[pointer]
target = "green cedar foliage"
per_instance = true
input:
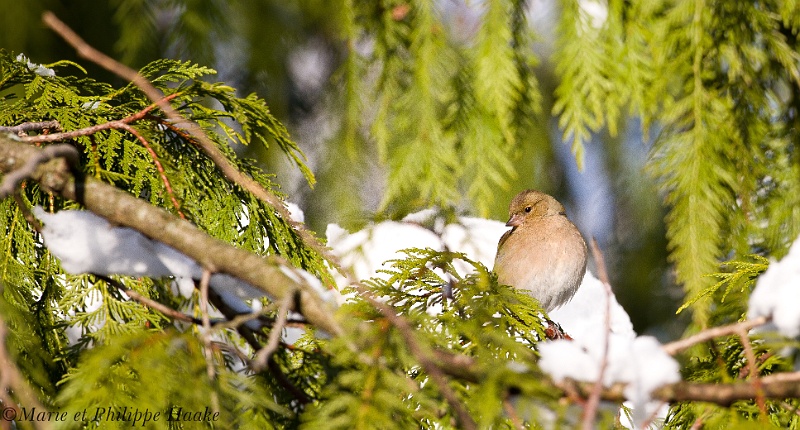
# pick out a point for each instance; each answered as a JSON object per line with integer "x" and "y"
{"x": 728, "y": 127}
{"x": 122, "y": 352}
{"x": 723, "y": 360}
{"x": 381, "y": 383}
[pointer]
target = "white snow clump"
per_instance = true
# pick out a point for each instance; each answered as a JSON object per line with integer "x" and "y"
{"x": 777, "y": 294}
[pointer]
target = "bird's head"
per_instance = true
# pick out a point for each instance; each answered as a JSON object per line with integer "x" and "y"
{"x": 532, "y": 204}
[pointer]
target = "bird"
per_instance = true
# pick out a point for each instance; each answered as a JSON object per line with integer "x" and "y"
{"x": 543, "y": 254}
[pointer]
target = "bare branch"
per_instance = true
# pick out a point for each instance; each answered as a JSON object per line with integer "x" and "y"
{"x": 673, "y": 348}
{"x": 593, "y": 402}
{"x": 14, "y": 178}
{"x": 32, "y": 126}
{"x": 172, "y": 313}
{"x": 752, "y": 365}
{"x": 264, "y": 354}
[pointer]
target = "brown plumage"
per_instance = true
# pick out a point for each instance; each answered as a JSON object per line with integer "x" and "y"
{"x": 543, "y": 253}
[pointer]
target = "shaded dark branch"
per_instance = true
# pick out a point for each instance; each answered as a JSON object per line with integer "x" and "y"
{"x": 265, "y": 353}
{"x": 166, "y": 310}
{"x": 29, "y": 168}
{"x": 32, "y": 126}
{"x": 250, "y": 337}
{"x": 26, "y": 212}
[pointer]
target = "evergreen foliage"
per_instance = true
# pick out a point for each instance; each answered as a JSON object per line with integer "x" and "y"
{"x": 123, "y": 350}
{"x": 381, "y": 383}
{"x": 448, "y": 99}
{"x": 732, "y": 99}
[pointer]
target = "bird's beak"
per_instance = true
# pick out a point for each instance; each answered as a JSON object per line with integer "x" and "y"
{"x": 514, "y": 221}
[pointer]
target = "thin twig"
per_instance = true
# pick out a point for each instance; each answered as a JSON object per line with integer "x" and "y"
{"x": 673, "y": 348}
{"x": 209, "y": 351}
{"x": 511, "y": 411}
{"x": 161, "y": 308}
{"x": 26, "y": 212}
{"x": 240, "y": 319}
{"x": 166, "y": 310}
{"x": 158, "y": 165}
{"x": 32, "y": 126}
{"x": 753, "y": 367}
{"x": 110, "y": 125}
{"x": 206, "y": 322}
{"x": 264, "y": 354}
{"x": 593, "y": 402}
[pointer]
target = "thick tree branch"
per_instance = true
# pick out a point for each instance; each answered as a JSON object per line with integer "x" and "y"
{"x": 271, "y": 274}
{"x": 777, "y": 386}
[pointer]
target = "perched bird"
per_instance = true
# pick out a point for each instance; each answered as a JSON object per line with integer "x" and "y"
{"x": 543, "y": 254}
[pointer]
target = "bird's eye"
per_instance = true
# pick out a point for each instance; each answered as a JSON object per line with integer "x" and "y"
{"x": 527, "y": 209}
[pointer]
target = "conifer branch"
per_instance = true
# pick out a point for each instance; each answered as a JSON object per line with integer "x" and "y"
{"x": 426, "y": 359}
{"x": 117, "y": 206}
{"x": 199, "y": 137}
{"x": 120, "y": 124}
